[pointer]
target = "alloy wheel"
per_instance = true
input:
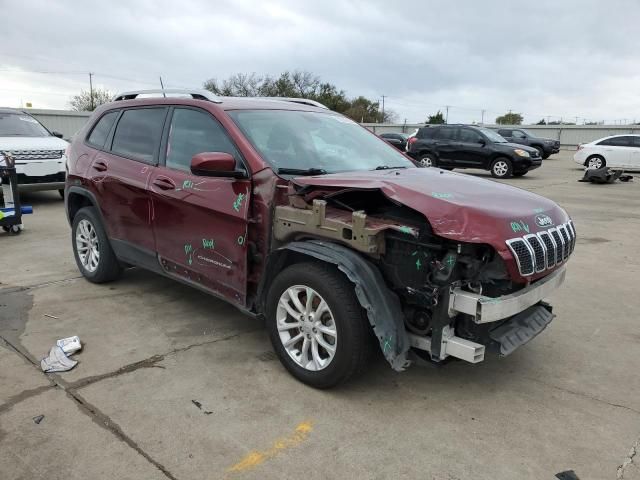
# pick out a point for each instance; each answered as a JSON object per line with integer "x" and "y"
{"x": 306, "y": 327}
{"x": 595, "y": 162}
{"x": 500, "y": 168}
{"x": 87, "y": 245}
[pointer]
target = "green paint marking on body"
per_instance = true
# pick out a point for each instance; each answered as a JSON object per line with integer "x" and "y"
{"x": 188, "y": 251}
{"x": 238, "y": 202}
{"x": 450, "y": 260}
{"x": 187, "y": 184}
{"x": 519, "y": 226}
{"x": 414, "y": 253}
{"x": 538, "y": 210}
{"x": 441, "y": 195}
{"x": 387, "y": 344}
{"x": 418, "y": 264}
{"x": 241, "y": 240}
{"x": 405, "y": 229}
{"x": 208, "y": 243}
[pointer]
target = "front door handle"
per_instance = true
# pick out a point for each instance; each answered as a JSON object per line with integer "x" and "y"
{"x": 100, "y": 166}
{"x": 164, "y": 183}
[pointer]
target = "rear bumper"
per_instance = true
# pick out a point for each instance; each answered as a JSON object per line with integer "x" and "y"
{"x": 39, "y": 187}
{"x": 489, "y": 309}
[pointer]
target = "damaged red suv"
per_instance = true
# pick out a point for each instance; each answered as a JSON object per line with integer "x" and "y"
{"x": 298, "y": 215}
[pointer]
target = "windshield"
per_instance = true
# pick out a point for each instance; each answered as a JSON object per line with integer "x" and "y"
{"x": 21, "y": 125}
{"x": 493, "y": 136}
{"x": 290, "y": 139}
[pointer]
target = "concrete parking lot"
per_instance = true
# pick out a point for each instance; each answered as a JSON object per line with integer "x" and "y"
{"x": 172, "y": 383}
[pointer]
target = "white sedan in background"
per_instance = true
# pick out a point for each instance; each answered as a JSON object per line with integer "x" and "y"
{"x": 618, "y": 151}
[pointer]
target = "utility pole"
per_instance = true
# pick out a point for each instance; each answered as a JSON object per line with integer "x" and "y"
{"x": 91, "y": 90}
{"x": 577, "y": 120}
{"x": 383, "y": 97}
{"x": 162, "y": 87}
{"x": 482, "y": 121}
{"x": 446, "y": 118}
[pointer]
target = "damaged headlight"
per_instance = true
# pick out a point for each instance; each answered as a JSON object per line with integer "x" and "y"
{"x": 521, "y": 153}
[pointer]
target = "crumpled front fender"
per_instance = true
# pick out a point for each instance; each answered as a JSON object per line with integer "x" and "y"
{"x": 381, "y": 304}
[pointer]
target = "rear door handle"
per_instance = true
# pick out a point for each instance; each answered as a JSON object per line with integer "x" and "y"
{"x": 164, "y": 183}
{"x": 100, "y": 166}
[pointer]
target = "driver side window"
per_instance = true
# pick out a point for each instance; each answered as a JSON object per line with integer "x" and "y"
{"x": 195, "y": 131}
{"x": 519, "y": 134}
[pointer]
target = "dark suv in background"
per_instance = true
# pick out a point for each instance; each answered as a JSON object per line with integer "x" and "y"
{"x": 545, "y": 146}
{"x": 466, "y": 146}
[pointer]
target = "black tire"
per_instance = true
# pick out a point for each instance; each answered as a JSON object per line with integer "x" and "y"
{"x": 545, "y": 156}
{"x": 61, "y": 192}
{"x": 108, "y": 268}
{"x": 540, "y": 151}
{"x": 354, "y": 343}
{"x": 520, "y": 174}
{"x": 598, "y": 161}
{"x": 501, "y": 167}
{"x": 427, "y": 160}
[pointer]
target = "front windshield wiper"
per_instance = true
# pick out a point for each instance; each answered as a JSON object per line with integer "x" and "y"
{"x": 387, "y": 167}
{"x": 302, "y": 171}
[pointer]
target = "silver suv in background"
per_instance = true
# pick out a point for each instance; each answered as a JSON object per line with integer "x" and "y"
{"x": 39, "y": 154}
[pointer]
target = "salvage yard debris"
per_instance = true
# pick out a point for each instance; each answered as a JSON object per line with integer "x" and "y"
{"x": 58, "y": 361}
{"x": 604, "y": 175}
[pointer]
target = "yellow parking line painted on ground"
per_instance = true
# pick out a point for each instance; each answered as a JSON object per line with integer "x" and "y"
{"x": 255, "y": 458}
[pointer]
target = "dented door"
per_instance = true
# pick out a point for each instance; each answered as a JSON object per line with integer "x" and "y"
{"x": 200, "y": 222}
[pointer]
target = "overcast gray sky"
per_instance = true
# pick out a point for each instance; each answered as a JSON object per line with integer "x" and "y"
{"x": 541, "y": 58}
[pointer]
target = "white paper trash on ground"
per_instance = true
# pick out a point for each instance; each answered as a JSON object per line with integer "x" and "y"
{"x": 57, "y": 361}
{"x": 69, "y": 345}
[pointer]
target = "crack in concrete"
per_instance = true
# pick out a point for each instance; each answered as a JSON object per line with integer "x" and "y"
{"x": 97, "y": 416}
{"x": 628, "y": 461}
{"x": 584, "y": 395}
{"x": 150, "y": 362}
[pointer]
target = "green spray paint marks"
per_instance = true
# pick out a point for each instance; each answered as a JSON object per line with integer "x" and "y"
{"x": 387, "y": 344}
{"x": 208, "y": 243}
{"x": 441, "y": 195}
{"x": 405, "y": 229}
{"x": 187, "y": 184}
{"x": 520, "y": 226}
{"x": 241, "y": 240}
{"x": 538, "y": 210}
{"x": 238, "y": 202}
{"x": 450, "y": 261}
{"x": 418, "y": 264}
{"x": 188, "y": 251}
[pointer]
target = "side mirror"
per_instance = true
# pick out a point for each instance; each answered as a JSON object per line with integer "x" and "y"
{"x": 56, "y": 134}
{"x": 482, "y": 142}
{"x": 215, "y": 164}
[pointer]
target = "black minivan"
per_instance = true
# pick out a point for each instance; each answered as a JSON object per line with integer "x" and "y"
{"x": 468, "y": 146}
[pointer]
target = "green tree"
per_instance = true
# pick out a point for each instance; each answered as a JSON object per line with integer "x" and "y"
{"x": 437, "y": 118}
{"x": 541, "y": 122}
{"x": 509, "y": 119}
{"x": 82, "y": 102}
{"x": 299, "y": 84}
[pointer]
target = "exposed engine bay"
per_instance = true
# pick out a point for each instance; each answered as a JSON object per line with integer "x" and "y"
{"x": 421, "y": 268}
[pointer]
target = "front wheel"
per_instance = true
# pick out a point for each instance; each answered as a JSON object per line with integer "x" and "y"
{"x": 501, "y": 168}
{"x": 317, "y": 327}
{"x": 595, "y": 161}
{"x": 93, "y": 253}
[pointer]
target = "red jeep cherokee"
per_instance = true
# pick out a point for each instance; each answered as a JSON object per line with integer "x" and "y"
{"x": 298, "y": 215}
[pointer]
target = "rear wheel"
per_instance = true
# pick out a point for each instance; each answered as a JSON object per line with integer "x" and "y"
{"x": 519, "y": 174}
{"x": 501, "y": 168}
{"x": 91, "y": 248}
{"x": 595, "y": 161}
{"x": 316, "y": 325}
{"x": 427, "y": 160}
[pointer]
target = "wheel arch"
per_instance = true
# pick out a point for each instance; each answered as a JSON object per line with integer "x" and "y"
{"x": 77, "y": 198}
{"x": 381, "y": 304}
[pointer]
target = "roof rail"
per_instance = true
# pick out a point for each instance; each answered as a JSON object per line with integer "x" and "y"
{"x": 302, "y": 101}
{"x": 195, "y": 94}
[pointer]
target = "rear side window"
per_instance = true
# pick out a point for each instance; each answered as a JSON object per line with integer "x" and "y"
{"x": 138, "y": 134}
{"x": 425, "y": 132}
{"x": 100, "y": 132}
{"x": 192, "y": 132}
{"x": 445, "y": 133}
{"x": 623, "y": 141}
{"x": 469, "y": 136}
{"x": 505, "y": 133}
